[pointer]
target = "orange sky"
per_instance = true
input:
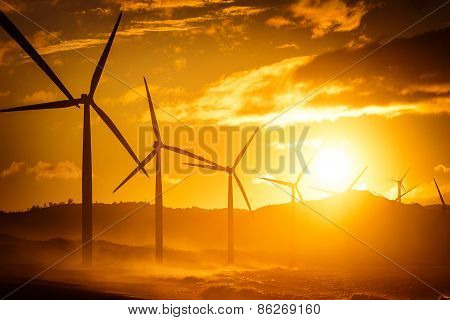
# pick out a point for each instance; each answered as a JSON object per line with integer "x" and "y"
{"x": 230, "y": 63}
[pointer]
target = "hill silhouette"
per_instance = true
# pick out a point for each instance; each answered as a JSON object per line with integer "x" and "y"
{"x": 340, "y": 233}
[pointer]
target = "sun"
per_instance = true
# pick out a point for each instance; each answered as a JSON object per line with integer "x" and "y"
{"x": 332, "y": 167}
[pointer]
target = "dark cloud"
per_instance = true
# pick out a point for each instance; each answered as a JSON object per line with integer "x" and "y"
{"x": 407, "y": 70}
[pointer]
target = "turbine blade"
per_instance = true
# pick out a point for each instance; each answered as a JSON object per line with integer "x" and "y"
{"x": 15, "y": 33}
{"x": 206, "y": 166}
{"x": 378, "y": 194}
{"x": 110, "y": 124}
{"x": 239, "y": 157}
{"x": 299, "y": 194}
{"x": 300, "y": 176}
{"x": 440, "y": 194}
{"x": 284, "y": 183}
{"x": 408, "y": 191}
{"x": 152, "y": 113}
{"x": 242, "y": 190}
{"x": 356, "y": 180}
{"x": 190, "y": 154}
{"x": 402, "y": 186}
{"x": 45, "y": 106}
{"x": 404, "y": 175}
{"x": 101, "y": 63}
{"x": 326, "y": 191}
{"x": 147, "y": 159}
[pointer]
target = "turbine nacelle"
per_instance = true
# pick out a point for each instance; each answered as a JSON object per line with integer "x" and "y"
{"x": 86, "y": 99}
{"x": 158, "y": 144}
{"x": 293, "y": 185}
{"x": 230, "y": 170}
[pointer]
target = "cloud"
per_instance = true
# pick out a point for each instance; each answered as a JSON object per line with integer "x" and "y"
{"x": 46, "y": 44}
{"x": 7, "y": 48}
{"x": 171, "y": 181}
{"x": 39, "y": 96}
{"x": 74, "y": 44}
{"x": 13, "y": 169}
{"x": 288, "y": 46}
{"x": 261, "y": 94}
{"x": 328, "y": 16}
{"x": 193, "y": 24}
{"x": 43, "y": 170}
{"x": 441, "y": 167}
{"x": 135, "y": 5}
{"x": 12, "y": 5}
{"x": 139, "y": 28}
{"x": 179, "y": 64}
{"x": 359, "y": 42}
{"x": 389, "y": 83}
{"x": 256, "y": 91}
{"x": 101, "y": 11}
{"x": 159, "y": 94}
{"x": 188, "y": 3}
{"x": 241, "y": 11}
{"x": 140, "y": 5}
{"x": 5, "y": 93}
{"x": 61, "y": 170}
{"x": 278, "y": 21}
{"x": 392, "y": 75}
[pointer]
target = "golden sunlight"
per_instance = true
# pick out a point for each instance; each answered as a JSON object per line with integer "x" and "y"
{"x": 333, "y": 168}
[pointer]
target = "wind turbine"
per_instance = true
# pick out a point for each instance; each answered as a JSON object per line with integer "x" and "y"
{"x": 292, "y": 185}
{"x": 400, "y": 186}
{"x": 350, "y": 187}
{"x": 158, "y": 145}
{"x": 231, "y": 173}
{"x": 88, "y": 101}
{"x": 444, "y": 205}
{"x": 399, "y": 198}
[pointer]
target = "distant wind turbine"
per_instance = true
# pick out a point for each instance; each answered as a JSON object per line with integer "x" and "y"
{"x": 350, "y": 187}
{"x": 444, "y": 205}
{"x": 292, "y": 185}
{"x": 403, "y": 194}
{"x": 158, "y": 145}
{"x": 400, "y": 186}
{"x": 88, "y": 101}
{"x": 231, "y": 173}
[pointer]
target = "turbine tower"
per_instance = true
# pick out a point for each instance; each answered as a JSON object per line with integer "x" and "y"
{"x": 350, "y": 187}
{"x": 292, "y": 185}
{"x": 403, "y": 194}
{"x": 158, "y": 145}
{"x": 400, "y": 186}
{"x": 231, "y": 171}
{"x": 88, "y": 101}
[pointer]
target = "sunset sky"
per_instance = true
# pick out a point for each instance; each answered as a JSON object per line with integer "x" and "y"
{"x": 224, "y": 63}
